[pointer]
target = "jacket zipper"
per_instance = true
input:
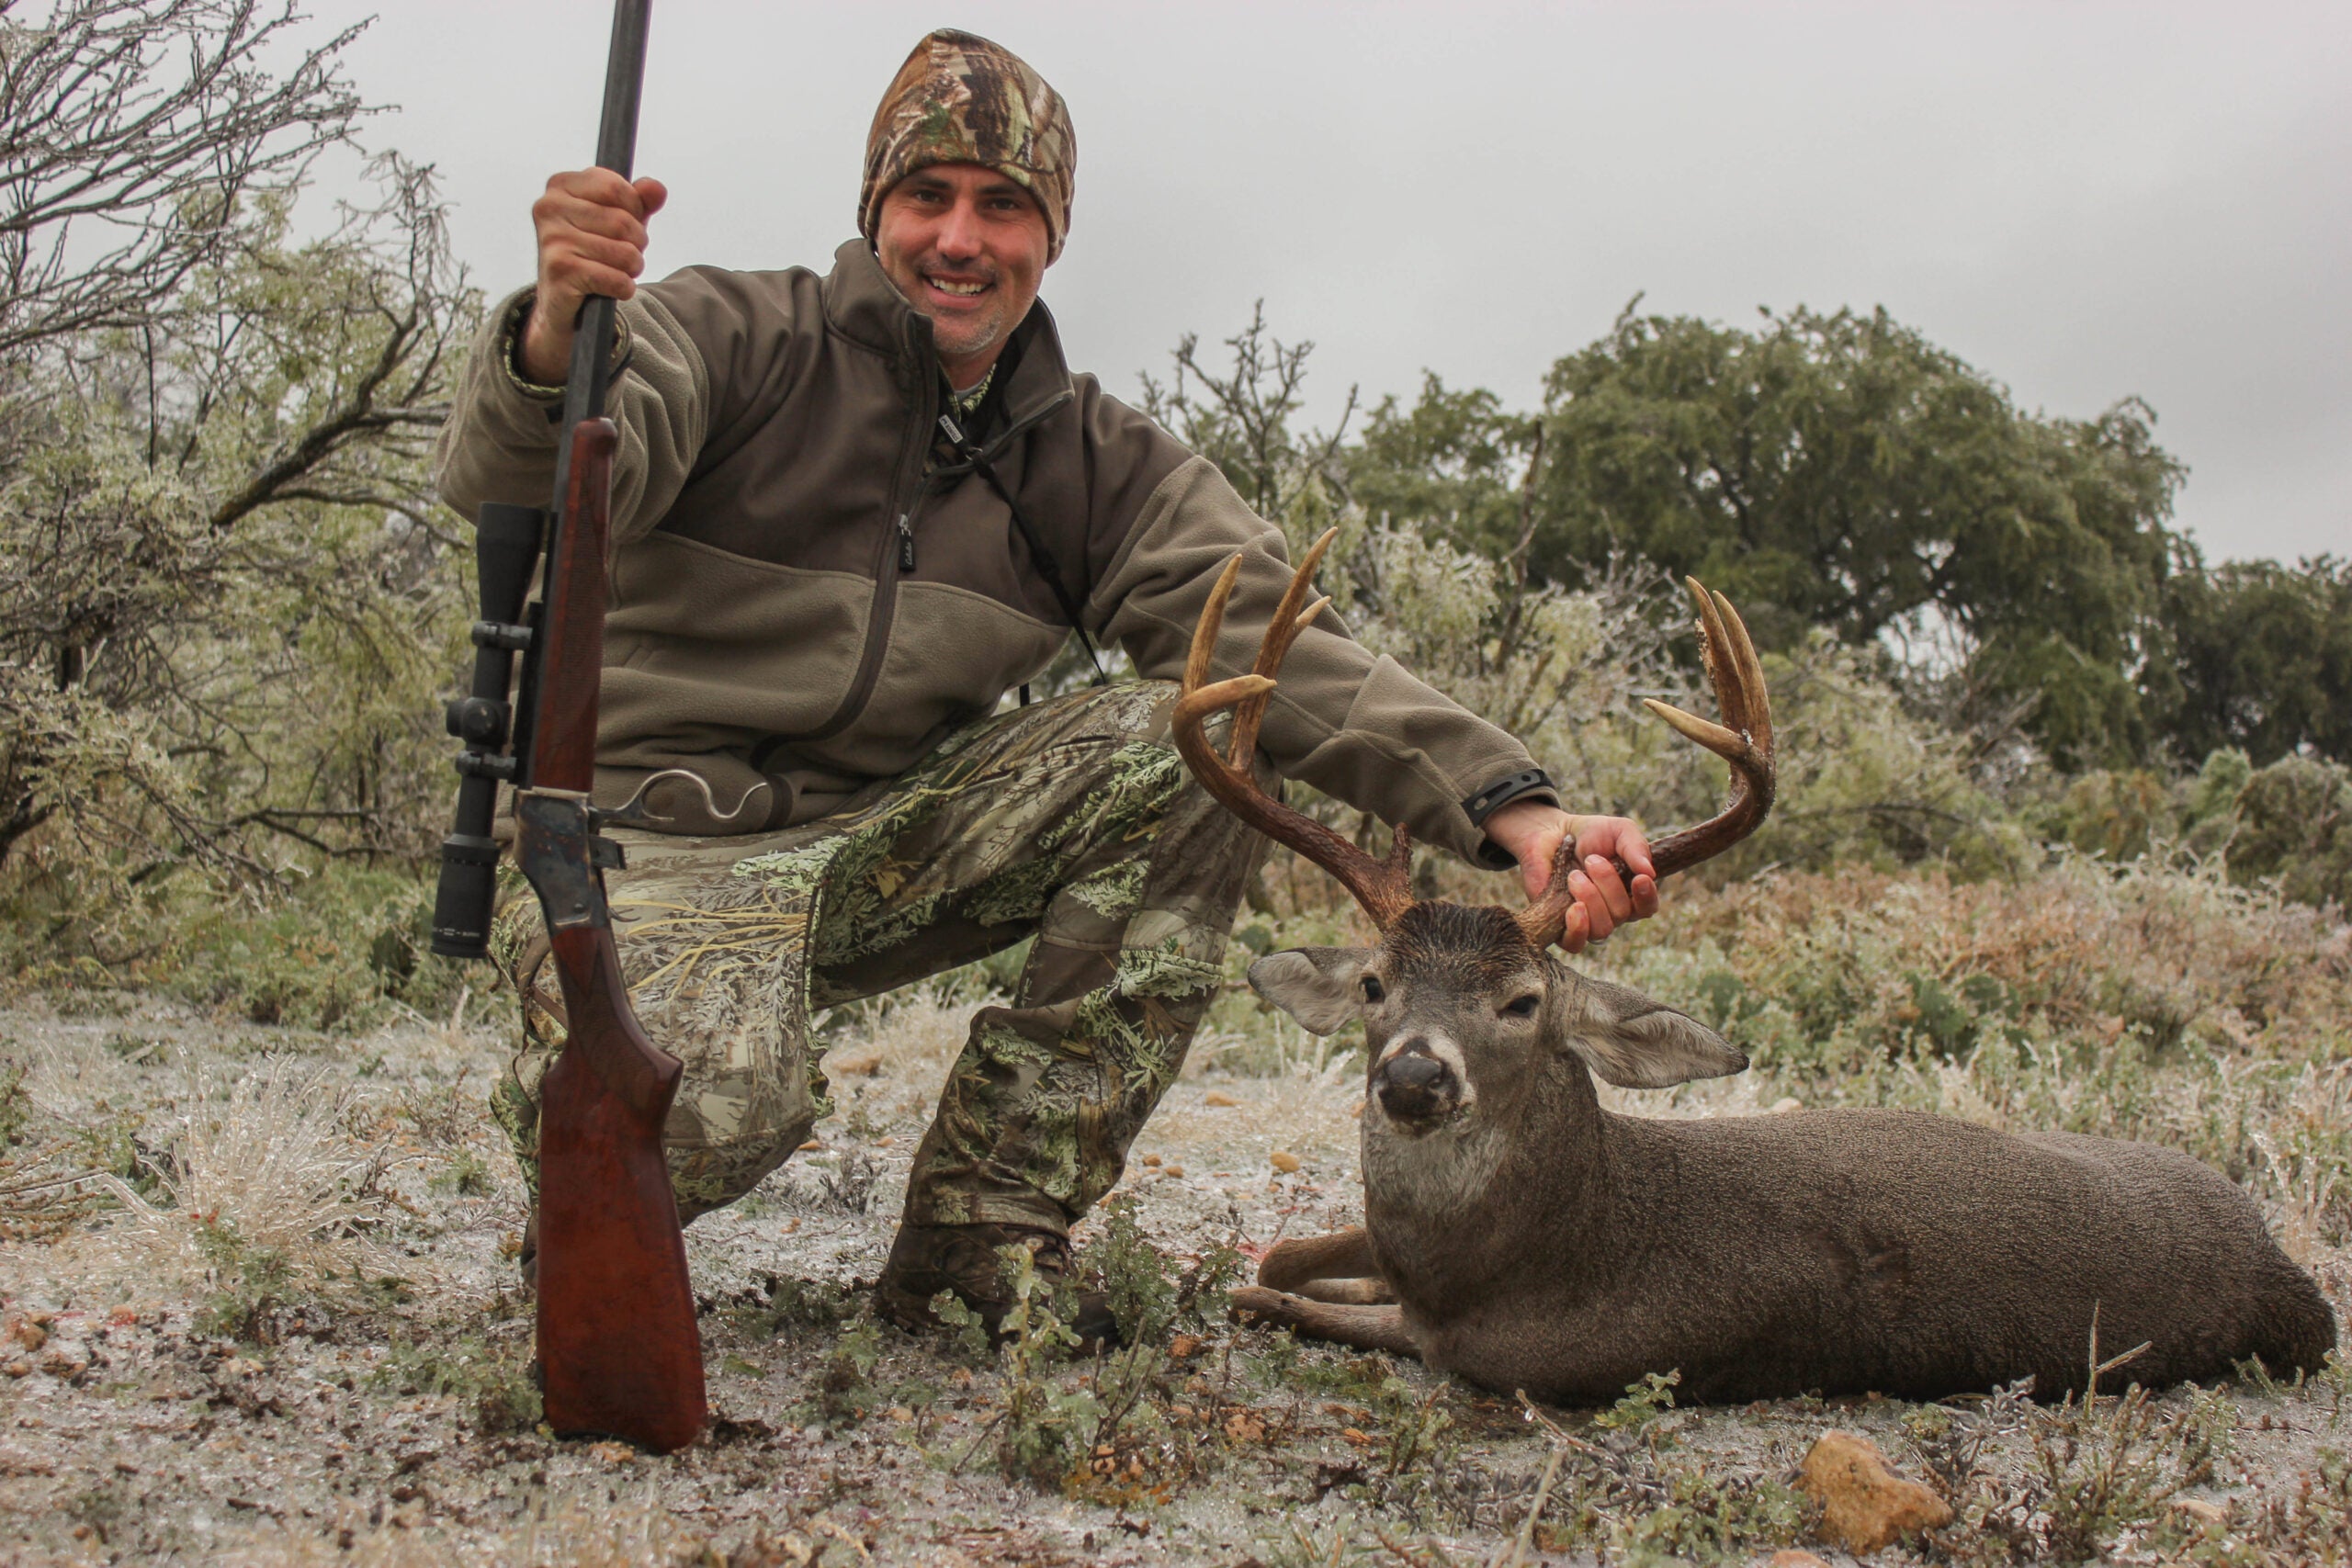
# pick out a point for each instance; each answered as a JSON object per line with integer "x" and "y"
{"x": 883, "y": 616}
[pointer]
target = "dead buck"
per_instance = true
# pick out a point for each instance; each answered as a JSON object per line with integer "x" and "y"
{"x": 1521, "y": 1236}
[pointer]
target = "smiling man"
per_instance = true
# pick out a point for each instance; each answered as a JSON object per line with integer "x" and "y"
{"x": 852, "y": 513}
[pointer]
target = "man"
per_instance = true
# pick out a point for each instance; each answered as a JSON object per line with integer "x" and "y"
{"x": 851, "y": 513}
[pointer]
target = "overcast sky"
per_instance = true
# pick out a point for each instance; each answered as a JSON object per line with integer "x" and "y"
{"x": 2086, "y": 201}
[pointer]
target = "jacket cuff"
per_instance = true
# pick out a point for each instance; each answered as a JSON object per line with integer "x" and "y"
{"x": 510, "y": 348}
{"x": 1529, "y": 783}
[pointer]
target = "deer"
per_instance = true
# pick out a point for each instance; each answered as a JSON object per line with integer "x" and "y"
{"x": 1520, "y": 1236}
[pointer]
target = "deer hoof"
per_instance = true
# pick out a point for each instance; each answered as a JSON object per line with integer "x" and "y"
{"x": 1257, "y": 1304}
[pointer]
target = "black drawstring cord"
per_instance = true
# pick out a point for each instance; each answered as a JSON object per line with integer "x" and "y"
{"x": 1044, "y": 558}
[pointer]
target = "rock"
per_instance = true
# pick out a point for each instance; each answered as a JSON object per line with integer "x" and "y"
{"x": 1865, "y": 1504}
{"x": 28, "y": 1332}
{"x": 1782, "y": 1107}
{"x": 863, "y": 1064}
{"x": 1218, "y": 1097}
{"x": 16, "y": 1366}
{"x": 2203, "y": 1510}
{"x": 1285, "y": 1161}
{"x": 65, "y": 1360}
{"x": 1795, "y": 1559}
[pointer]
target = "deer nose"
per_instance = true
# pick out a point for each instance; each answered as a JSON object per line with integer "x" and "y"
{"x": 1414, "y": 1086}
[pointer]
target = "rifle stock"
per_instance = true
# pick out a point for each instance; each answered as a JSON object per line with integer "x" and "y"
{"x": 618, "y": 1350}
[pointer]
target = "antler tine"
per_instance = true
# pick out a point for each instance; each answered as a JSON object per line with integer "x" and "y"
{"x": 1383, "y": 887}
{"x": 1282, "y": 629}
{"x": 1745, "y": 740}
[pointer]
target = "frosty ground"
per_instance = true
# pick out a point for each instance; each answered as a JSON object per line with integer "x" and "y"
{"x": 262, "y": 1307}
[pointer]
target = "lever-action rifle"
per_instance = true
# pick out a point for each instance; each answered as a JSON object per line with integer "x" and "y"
{"x": 618, "y": 1350}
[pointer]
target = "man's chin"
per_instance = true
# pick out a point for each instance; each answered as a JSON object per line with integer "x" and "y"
{"x": 963, "y": 340}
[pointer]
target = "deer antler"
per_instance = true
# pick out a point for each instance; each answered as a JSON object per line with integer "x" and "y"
{"x": 1744, "y": 740}
{"x": 1383, "y": 887}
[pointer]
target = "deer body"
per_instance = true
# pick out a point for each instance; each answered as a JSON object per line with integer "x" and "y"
{"x": 1566, "y": 1251}
{"x": 1519, "y": 1235}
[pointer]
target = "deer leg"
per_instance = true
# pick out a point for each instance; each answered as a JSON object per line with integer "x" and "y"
{"x": 1361, "y": 1289}
{"x": 1341, "y": 1255}
{"x": 1359, "y": 1327}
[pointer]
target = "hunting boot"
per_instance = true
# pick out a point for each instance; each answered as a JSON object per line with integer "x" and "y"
{"x": 927, "y": 1259}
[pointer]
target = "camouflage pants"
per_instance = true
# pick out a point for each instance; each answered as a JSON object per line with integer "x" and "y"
{"x": 1073, "y": 820}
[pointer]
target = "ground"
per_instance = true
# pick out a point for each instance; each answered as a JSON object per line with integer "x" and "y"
{"x": 282, "y": 1324}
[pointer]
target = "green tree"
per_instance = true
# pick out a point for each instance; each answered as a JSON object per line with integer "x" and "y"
{"x": 2254, "y": 655}
{"x": 1840, "y": 470}
{"x": 226, "y": 602}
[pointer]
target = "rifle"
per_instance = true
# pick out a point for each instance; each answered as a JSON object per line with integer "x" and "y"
{"x": 620, "y": 1354}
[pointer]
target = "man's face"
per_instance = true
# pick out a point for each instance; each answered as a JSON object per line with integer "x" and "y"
{"x": 966, "y": 246}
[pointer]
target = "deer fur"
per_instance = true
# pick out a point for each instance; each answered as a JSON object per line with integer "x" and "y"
{"x": 1532, "y": 1240}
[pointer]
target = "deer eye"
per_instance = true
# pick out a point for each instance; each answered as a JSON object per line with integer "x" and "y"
{"x": 1372, "y": 989}
{"x": 1524, "y": 1006}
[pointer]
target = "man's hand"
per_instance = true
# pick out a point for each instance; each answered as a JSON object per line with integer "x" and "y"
{"x": 590, "y": 224}
{"x": 1532, "y": 832}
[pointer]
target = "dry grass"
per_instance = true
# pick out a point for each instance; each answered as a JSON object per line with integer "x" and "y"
{"x": 258, "y": 1171}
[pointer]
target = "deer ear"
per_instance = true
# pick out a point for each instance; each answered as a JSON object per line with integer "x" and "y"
{"x": 1634, "y": 1042}
{"x": 1315, "y": 985}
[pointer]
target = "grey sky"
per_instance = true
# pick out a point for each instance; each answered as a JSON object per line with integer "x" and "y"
{"x": 2086, "y": 200}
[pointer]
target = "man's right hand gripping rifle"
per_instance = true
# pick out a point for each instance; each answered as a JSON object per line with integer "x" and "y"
{"x": 592, "y": 234}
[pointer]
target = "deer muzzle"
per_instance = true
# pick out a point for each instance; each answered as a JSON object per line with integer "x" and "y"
{"x": 1415, "y": 1089}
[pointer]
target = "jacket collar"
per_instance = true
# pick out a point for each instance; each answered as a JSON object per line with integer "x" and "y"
{"x": 866, "y": 306}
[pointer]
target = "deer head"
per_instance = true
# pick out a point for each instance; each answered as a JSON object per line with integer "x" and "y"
{"x": 1459, "y": 1001}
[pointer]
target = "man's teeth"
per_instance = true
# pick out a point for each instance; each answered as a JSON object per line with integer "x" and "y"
{"x": 945, "y": 287}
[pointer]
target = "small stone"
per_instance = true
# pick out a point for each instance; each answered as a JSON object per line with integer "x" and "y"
{"x": 65, "y": 1360}
{"x": 861, "y": 1063}
{"x": 1175, "y": 1170}
{"x": 1218, "y": 1097}
{"x": 1285, "y": 1161}
{"x": 27, "y": 1333}
{"x": 2203, "y": 1510}
{"x": 1151, "y": 1159}
{"x": 1865, "y": 1504}
{"x": 1782, "y": 1107}
{"x": 1792, "y": 1558}
{"x": 16, "y": 1366}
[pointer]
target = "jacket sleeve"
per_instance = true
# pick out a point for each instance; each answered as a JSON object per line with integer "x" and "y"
{"x": 499, "y": 441}
{"x": 1355, "y": 725}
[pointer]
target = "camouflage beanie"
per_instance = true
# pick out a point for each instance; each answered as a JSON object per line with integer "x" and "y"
{"x": 961, "y": 99}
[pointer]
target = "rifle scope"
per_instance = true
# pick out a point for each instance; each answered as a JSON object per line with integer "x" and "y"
{"x": 507, "y": 542}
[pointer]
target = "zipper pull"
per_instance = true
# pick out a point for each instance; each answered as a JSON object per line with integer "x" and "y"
{"x": 906, "y": 545}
